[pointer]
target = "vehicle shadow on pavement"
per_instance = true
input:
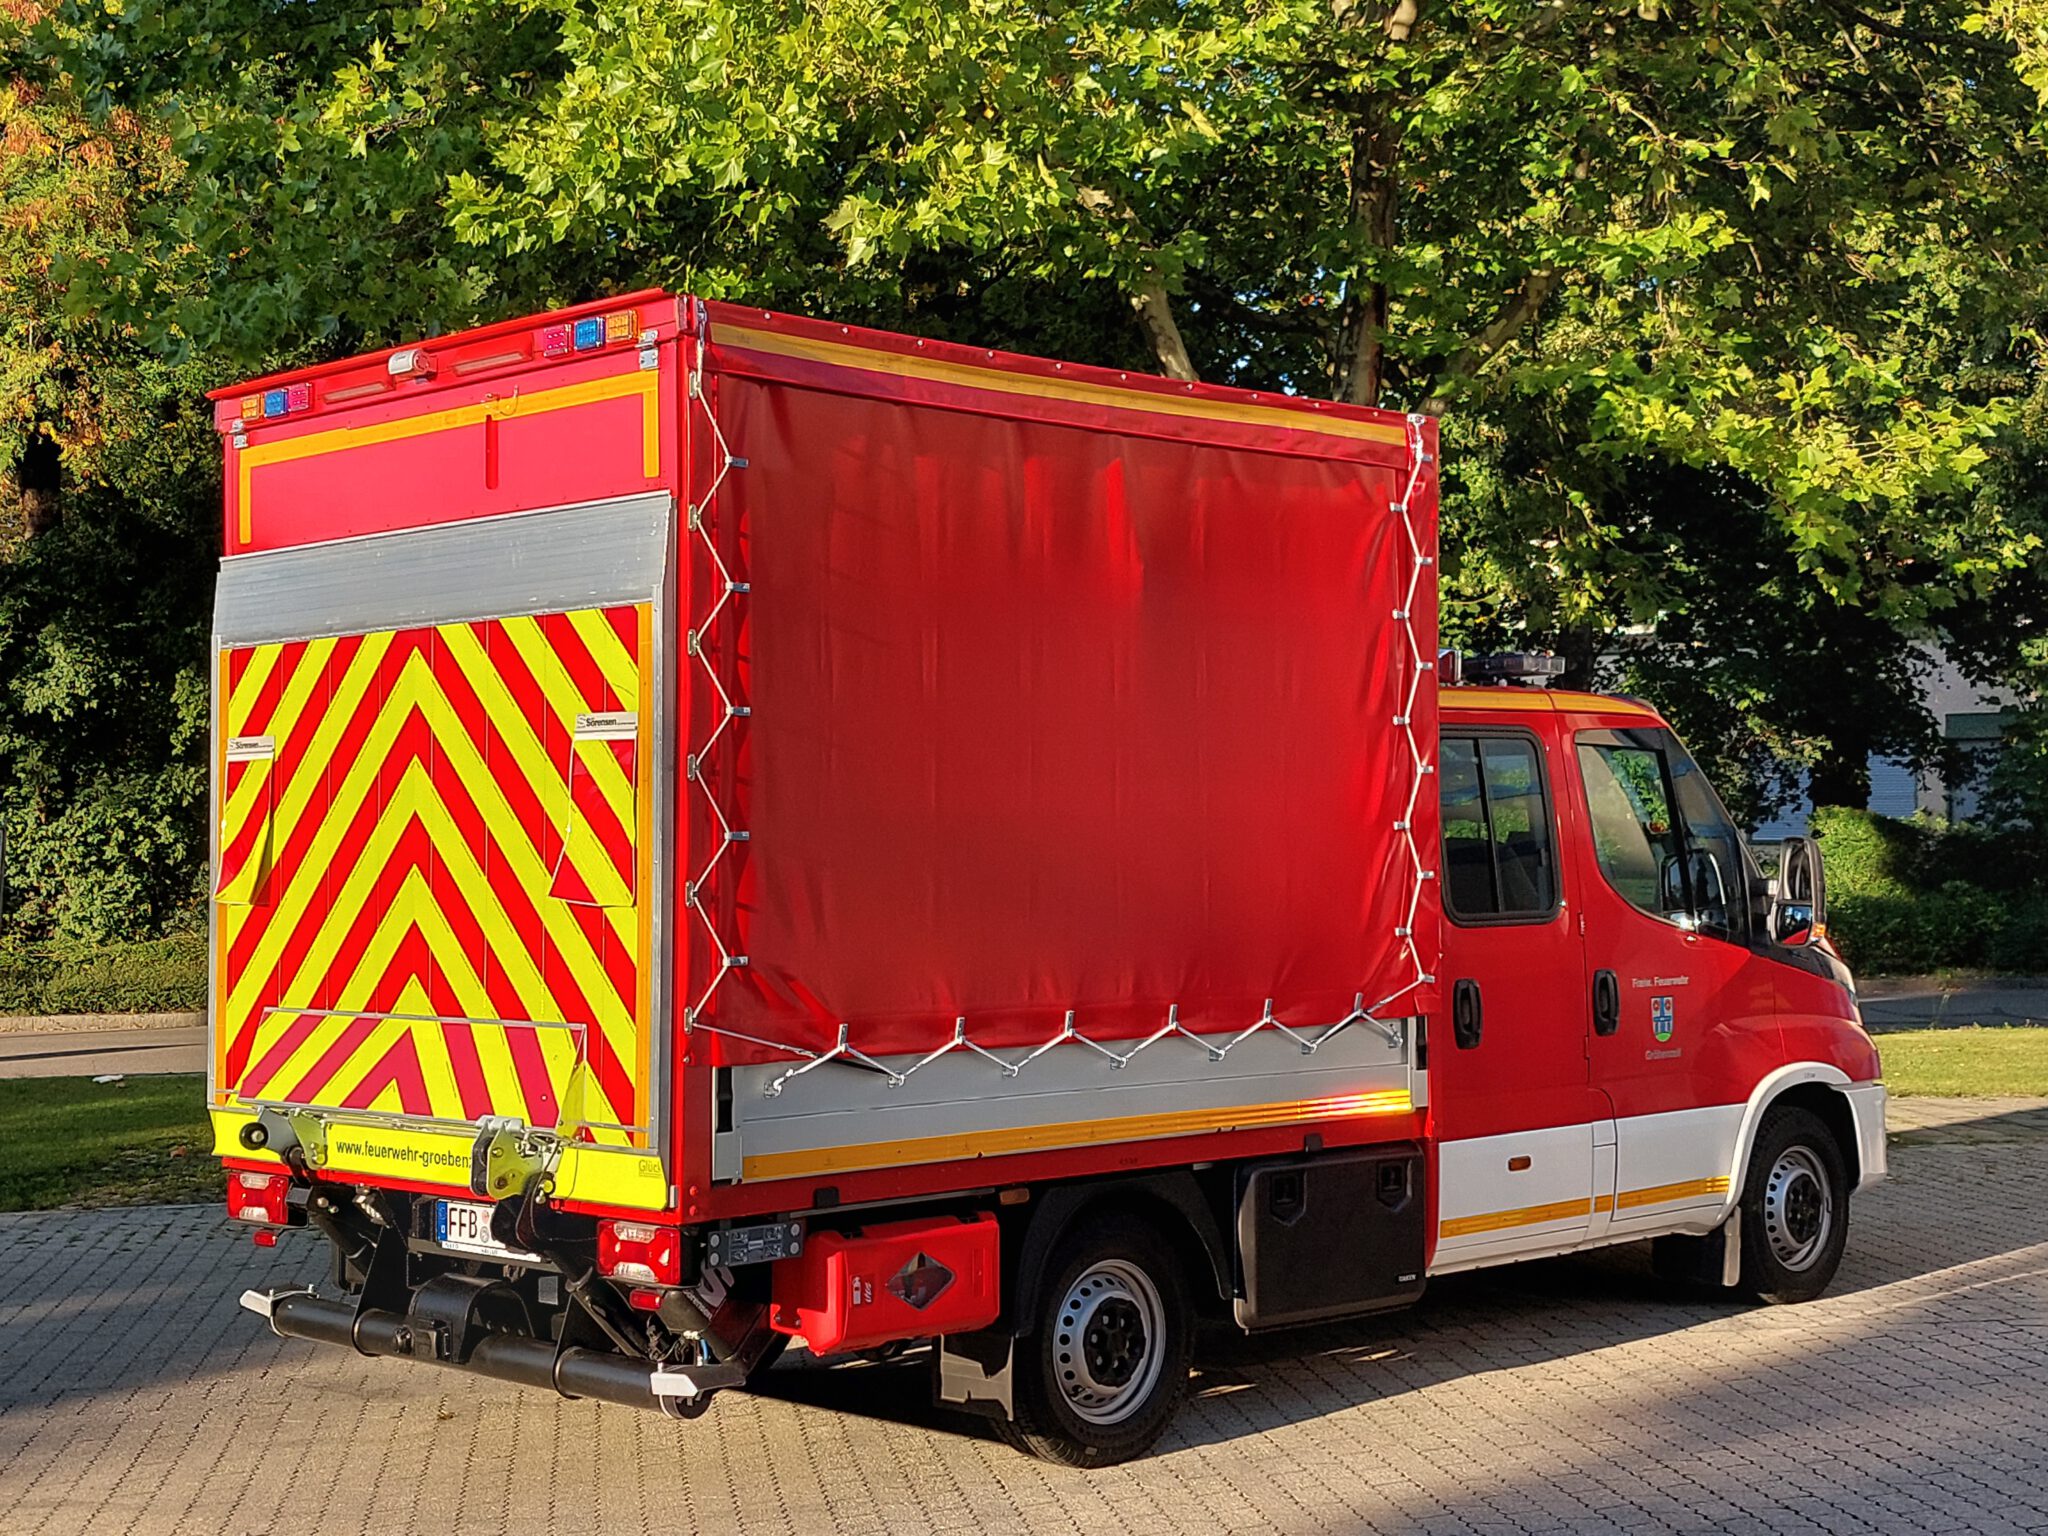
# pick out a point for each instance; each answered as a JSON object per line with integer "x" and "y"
{"x": 1521, "y": 1301}
{"x": 1519, "y": 1317}
{"x": 86, "y": 1286}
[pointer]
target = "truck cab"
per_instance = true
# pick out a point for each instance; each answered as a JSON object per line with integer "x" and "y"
{"x": 1637, "y": 1012}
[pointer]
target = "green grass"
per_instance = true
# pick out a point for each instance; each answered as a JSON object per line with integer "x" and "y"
{"x": 68, "y": 1141}
{"x": 1973, "y": 1062}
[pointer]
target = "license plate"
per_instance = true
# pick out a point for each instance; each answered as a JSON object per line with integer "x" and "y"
{"x": 466, "y": 1227}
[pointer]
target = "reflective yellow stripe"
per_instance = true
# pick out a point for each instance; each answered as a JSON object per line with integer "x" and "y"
{"x": 1072, "y": 1133}
{"x": 1566, "y": 1210}
{"x": 1524, "y": 1216}
{"x": 967, "y": 376}
{"x": 336, "y": 439}
{"x": 1659, "y": 1194}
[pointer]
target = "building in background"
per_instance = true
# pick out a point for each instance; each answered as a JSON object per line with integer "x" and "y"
{"x": 1971, "y": 718}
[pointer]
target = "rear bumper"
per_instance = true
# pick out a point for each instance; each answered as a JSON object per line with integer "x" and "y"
{"x": 529, "y": 1362}
{"x": 1866, "y": 1108}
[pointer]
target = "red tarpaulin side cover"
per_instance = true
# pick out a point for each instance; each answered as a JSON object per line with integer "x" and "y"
{"x": 1048, "y": 716}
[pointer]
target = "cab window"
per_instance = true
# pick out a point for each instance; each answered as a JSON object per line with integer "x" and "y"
{"x": 1499, "y": 863}
{"x": 1659, "y": 832}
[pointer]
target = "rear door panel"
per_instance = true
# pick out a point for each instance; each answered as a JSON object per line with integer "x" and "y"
{"x": 431, "y": 902}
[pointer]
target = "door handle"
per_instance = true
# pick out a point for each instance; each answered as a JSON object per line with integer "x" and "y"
{"x": 1468, "y": 1016}
{"x": 1606, "y": 1003}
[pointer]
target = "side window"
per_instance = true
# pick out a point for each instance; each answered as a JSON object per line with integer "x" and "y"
{"x": 1634, "y": 835}
{"x": 1660, "y": 834}
{"x": 1499, "y": 863}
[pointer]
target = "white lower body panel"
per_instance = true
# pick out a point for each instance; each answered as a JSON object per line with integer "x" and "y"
{"x": 1533, "y": 1193}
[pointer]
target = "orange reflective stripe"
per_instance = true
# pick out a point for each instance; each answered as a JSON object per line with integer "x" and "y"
{"x": 1072, "y": 1133}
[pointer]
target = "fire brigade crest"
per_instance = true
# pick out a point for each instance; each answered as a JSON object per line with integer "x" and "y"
{"x": 1662, "y": 1018}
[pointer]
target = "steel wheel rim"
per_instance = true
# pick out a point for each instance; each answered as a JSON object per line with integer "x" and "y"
{"x": 1799, "y": 1208}
{"x": 1106, "y": 1339}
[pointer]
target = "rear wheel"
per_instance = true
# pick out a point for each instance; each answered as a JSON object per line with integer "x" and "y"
{"x": 1106, "y": 1361}
{"x": 1795, "y": 1208}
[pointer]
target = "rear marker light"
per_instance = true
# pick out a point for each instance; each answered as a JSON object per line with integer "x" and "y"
{"x": 298, "y": 397}
{"x": 589, "y": 333}
{"x": 260, "y": 1197}
{"x": 264, "y": 1237}
{"x": 638, "y": 1250}
{"x": 554, "y": 340}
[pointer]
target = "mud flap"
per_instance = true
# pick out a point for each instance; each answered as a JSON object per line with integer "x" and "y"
{"x": 973, "y": 1371}
{"x": 1712, "y": 1261}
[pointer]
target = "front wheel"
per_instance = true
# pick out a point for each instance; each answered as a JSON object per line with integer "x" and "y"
{"x": 1106, "y": 1361}
{"x": 1795, "y": 1208}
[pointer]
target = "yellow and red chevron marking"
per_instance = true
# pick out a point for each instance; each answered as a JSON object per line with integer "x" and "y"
{"x": 414, "y": 824}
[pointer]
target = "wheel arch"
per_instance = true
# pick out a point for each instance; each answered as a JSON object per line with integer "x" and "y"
{"x": 1812, "y": 1085}
{"x": 1171, "y": 1202}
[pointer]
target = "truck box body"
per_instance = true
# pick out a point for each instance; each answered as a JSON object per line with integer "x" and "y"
{"x": 749, "y": 757}
{"x": 733, "y": 829}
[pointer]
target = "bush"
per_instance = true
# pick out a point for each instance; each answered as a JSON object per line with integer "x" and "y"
{"x": 148, "y": 976}
{"x": 1916, "y": 895}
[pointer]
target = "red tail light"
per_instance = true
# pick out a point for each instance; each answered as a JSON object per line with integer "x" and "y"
{"x": 638, "y": 1250}
{"x": 259, "y": 1197}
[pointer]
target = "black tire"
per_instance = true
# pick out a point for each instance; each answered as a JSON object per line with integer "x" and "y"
{"x": 1105, "y": 1362}
{"x": 1795, "y": 1208}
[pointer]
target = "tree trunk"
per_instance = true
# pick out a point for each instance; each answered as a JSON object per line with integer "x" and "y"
{"x": 1362, "y": 348}
{"x": 1155, "y": 318}
{"x": 1514, "y": 315}
{"x": 1580, "y": 648}
{"x": 38, "y": 484}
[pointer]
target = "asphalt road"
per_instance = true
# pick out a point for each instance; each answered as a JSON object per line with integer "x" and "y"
{"x": 93, "y": 1053}
{"x": 1575, "y": 1395}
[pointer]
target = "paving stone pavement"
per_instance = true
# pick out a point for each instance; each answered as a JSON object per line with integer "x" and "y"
{"x": 1572, "y": 1395}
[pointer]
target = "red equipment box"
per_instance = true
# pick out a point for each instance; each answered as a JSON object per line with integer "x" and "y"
{"x": 895, "y": 1280}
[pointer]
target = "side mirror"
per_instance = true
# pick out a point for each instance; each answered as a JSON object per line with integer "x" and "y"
{"x": 1792, "y": 923}
{"x": 1799, "y": 895}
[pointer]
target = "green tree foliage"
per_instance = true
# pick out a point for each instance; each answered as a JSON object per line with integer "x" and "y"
{"x": 1775, "y": 242}
{"x": 1784, "y": 262}
{"x": 108, "y": 494}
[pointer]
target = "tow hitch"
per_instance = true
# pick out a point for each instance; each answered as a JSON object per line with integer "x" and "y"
{"x": 488, "y": 1326}
{"x": 452, "y": 1329}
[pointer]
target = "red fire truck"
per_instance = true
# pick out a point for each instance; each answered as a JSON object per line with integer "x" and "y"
{"x": 732, "y": 830}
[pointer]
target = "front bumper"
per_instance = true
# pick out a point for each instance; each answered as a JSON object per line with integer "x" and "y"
{"x": 1866, "y": 1108}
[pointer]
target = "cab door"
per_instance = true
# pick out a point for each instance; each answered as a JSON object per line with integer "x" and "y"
{"x": 1516, "y": 1120}
{"x": 1683, "y": 1015}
